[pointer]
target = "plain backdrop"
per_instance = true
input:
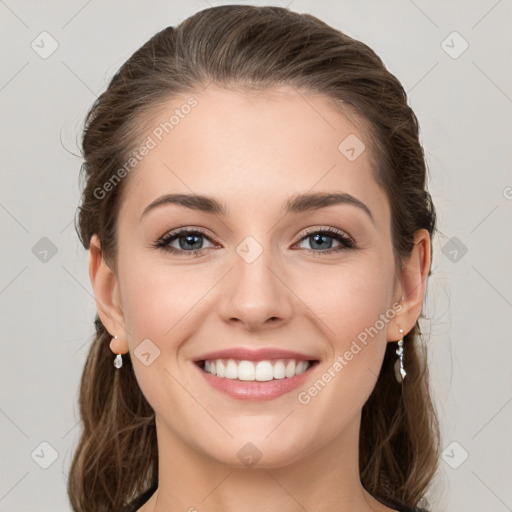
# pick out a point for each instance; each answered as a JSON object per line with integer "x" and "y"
{"x": 453, "y": 59}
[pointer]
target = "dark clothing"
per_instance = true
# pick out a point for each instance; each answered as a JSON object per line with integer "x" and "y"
{"x": 136, "y": 503}
{"x": 142, "y": 498}
{"x": 402, "y": 508}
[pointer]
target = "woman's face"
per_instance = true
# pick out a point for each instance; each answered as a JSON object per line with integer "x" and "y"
{"x": 265, "y": 276}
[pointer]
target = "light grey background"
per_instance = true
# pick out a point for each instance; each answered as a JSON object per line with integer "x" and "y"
{"x": 464, "y": 104}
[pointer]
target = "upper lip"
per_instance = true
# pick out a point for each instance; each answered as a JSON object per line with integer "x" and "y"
{"x": 248, "y": 354}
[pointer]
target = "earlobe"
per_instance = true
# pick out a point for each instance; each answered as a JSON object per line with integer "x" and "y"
{"x": 413, "y": 279}
{"x": 106, "y": 290}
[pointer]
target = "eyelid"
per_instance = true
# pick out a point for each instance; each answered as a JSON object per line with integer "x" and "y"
{"x": 331, "y": 231}
{"x": 187, "y": 230}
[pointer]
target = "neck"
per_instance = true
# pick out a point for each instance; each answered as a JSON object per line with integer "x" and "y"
{"x": 325, "y": 479}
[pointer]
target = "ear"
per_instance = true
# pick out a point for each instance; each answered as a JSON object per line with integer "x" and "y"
{"x": 412, "y": 286}
{"x": 106, "y": 293}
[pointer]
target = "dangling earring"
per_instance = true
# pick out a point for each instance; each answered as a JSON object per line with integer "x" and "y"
{"x": 118, "y": 361}
{"x": 399, "y": 363}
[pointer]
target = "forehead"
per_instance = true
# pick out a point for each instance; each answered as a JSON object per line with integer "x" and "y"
{"x": 253, "y": 148}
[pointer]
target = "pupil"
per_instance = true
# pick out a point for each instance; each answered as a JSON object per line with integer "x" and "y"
{"x": 319, "y": 238}
{"x": 189, "y": 239}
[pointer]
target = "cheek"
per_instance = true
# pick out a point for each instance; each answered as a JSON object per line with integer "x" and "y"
{"x": 156, "y": 299}
{"x": 157, "y": 303}
{"x": 353, "y": 306}
{"x": 349, "y": 300}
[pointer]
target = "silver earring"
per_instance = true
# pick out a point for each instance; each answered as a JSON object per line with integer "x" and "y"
{"x": 400, "y": 372}
{"x": 118, "y": 361}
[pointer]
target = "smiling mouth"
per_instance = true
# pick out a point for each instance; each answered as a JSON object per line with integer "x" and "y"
{"x": 256, "y": 371}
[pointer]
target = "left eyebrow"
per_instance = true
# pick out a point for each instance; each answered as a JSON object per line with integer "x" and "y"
{"x": 306, "y": 202}
{"x": 296, "y": 204}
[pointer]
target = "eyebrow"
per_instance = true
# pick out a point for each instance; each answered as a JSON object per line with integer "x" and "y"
{"x": 296, "y": 204}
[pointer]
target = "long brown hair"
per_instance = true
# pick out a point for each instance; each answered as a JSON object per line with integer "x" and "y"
{"x": 252, "y": 48}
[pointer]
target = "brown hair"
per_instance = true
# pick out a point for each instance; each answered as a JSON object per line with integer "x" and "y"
{"x": 252, "y": 48}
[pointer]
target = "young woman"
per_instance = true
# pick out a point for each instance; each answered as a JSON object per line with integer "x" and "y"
{"x": 259, "y": 229}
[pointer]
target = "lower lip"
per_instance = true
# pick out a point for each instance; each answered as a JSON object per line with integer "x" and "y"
{"x": 256, "y": 390}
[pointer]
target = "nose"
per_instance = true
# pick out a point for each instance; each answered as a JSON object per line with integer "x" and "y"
{"x": 255, "y": 294}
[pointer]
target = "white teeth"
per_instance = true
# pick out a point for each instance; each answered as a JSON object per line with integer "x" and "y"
{"x": 221, "y": 370}
{"x": 279, "y": 370}
{"x": 256, "y": 371}
{"x": 231, "y": 370}
{"x": 246, "y": 370}
{"x": 290, "y": 369}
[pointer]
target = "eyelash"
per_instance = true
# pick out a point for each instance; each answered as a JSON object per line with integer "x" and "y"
{"x": 163, "y": 243}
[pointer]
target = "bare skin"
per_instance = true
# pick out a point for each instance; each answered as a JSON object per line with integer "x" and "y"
{"x": 253, "y": 153}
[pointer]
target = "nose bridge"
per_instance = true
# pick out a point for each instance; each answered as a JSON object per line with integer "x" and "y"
{"x": 256, "y": 292}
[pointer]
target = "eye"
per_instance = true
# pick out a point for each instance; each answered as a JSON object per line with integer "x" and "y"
{"x": 187, "y": 241}
{"x": 323, "y": 240}
{"x": 191, "y": 241}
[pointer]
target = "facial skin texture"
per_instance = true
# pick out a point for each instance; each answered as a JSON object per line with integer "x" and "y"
{"x": 253, "y": 152}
